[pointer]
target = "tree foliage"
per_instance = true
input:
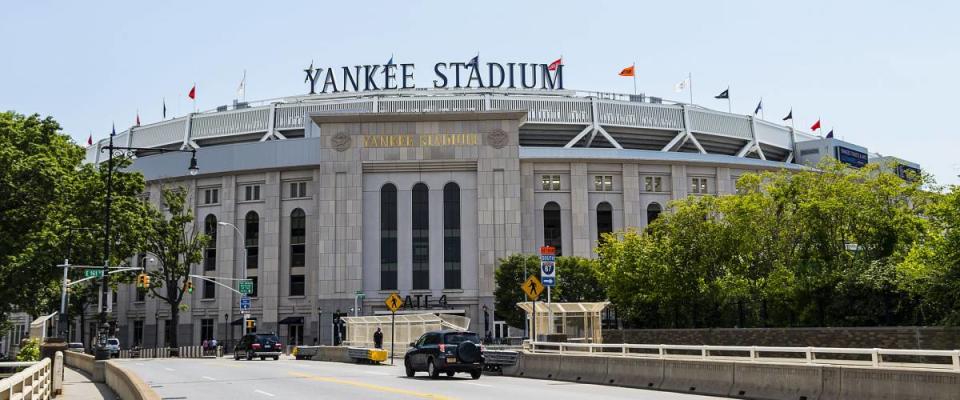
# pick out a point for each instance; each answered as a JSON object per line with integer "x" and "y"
{"x": 577, "y": 281}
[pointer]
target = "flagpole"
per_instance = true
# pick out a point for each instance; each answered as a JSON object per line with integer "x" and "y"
{"x": 690, "y": 82}
{"x": 634, "y": 79}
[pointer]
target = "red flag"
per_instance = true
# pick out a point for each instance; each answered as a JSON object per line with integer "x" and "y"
{"x": 138, "y": 119}
{"x": 193, "y": 92}
{"x": 90, "y": 140}
{"x": 628, "y": 71}
{"x": 553, "y": 66}
{"x": 816, "y": 125}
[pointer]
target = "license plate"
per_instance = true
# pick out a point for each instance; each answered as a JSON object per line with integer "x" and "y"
{"x": 451, "y": 360}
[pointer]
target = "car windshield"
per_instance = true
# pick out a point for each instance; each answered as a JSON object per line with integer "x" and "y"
{"x": 460, "y": 337}
{"x": 273, "y": 338}
{"x": 76, "y": 345}
{"x": 113, "y": 342}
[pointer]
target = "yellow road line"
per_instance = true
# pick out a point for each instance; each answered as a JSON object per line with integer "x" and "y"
{"x": 369, "y": 386}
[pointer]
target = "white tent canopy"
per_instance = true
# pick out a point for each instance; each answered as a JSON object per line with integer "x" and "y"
{"x": 579, "y": 321}
{"x": 408, "y": 328}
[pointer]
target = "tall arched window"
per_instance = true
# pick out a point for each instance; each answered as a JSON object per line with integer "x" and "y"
{"x": 421, "y": 236}
{"x": 298, "y": 251}
{"x": 451, "y": 236}
{"x": 210, "y": 251}
{"x": 653, "y": 211}
{"x": 552, "y": 231}
{"x": 388, "y": 237}
{"x": 604, "y": 220}
{"x": 251, "y": 242}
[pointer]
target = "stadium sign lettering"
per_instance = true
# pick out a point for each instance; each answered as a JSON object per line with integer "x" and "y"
{"x": 360, "y": 78}
{"x": 425, "y": 140}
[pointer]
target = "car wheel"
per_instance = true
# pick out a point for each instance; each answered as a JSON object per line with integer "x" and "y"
{"x": 236, "y": 355}
{"x": 275, "y": 358}
{"x": 432, "y": 369}
{"x": 249, "y": 355}
{"x": 408, "y": 368}
{"x": 475, "y": 374}
{"x": 450, "y": 374}
{"x": 263, "y": 358}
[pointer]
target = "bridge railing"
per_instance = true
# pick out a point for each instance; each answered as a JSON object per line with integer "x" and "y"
{"x": 876, "y": 358}
{"x": 33, "y": 383}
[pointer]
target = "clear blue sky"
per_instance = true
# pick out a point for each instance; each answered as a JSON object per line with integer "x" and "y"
{"x": 883, "y": 74}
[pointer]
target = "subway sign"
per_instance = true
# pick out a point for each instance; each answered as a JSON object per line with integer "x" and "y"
{"x": 472, "y": 74}
{"x": 851, "y": 157}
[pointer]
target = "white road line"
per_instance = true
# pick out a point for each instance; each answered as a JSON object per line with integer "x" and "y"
{"x": 478, "y": 384}
{"x": 264, "y": 393}
{"x": 169, "y": 369}
{"x": 376, "y": 373}
{"x": 208, "y": 378}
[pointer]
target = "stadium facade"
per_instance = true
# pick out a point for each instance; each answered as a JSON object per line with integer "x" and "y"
{"x": 342, "y": 198}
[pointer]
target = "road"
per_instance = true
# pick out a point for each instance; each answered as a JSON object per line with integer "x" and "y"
{"x": 178, "y": 379}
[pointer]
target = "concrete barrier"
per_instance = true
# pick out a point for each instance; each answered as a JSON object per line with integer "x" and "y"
{"x": 81, "y": 361}
{"x": 777, "y": 382}
{"x": 584, "y": 369}
{"x": 516, "y": 369}
{"x": 693, "y": 376}
{"x": 831, "y": 383}
{"x": 541, "y": 366}
{"x": 644, "y": 373}
{"x": 332, "y": 354}
{"x": 127, "y": 385}
{"x": 901, "y": 384}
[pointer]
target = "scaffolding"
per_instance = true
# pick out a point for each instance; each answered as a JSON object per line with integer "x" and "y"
{"x": 580, "y": 322}
{"x": 408, "y": 328}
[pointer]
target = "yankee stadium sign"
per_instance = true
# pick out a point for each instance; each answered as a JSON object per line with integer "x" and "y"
{"x": 472, "y": 74}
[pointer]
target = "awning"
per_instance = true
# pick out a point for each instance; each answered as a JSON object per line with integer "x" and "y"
{"x": 291, "y": 321}
{"x": 238, "y": 321}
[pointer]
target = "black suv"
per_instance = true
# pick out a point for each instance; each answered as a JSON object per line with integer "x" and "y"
{"x": 445, "y": 351}
{"x": 261, "y": 345}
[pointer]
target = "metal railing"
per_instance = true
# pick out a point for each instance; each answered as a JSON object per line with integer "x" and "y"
{"x": 875, "y": 358}
{"x": 33, "y": 383}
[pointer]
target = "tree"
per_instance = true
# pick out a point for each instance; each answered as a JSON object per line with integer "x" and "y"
{"x": 171, "y": 237}
{"x": 577, "y": 281}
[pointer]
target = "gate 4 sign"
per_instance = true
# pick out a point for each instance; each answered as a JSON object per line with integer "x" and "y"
{"x": 532, "y": 287}
{"x": 394, "y": 302}
{"x": 548, "y": 271}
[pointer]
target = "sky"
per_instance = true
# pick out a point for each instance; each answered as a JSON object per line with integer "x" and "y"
{"x": 882, "y": 74}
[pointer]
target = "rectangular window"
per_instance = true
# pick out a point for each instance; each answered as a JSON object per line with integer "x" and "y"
{"x": 603, "y": 183}
{"x": 298, "y": 190}
{"x": 211, "y": 196}
{"x": 420, "y": 217}
{"x": 648, "y": 184}
{"x": 209, "y": 290}
{"x": 550, "y": 182}
{"x": 137, "y": 332}
{"x": 698, "y": 186}
{"x": 657, "y": 184}
{"x": 296, "y": 285}
{"x": 251, "y": 193}
{"x": 653, "y": 184}
{"x": 555, "y": 182}
{"x": 388, "y": 237}
{"x": 206, "y": 329}
{"x": 141, "y": 294}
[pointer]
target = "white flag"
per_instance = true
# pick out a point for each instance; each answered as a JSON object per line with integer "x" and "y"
{"x": 679, "y": 87}
{"x": 242, "y": 87}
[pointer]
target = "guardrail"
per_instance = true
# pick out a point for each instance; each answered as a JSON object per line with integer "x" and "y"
{"x": 34, "y": 382}
{"x": 803, "y": 355}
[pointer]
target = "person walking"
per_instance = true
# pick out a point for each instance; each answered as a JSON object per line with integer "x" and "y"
{"x": 378, "y": 339}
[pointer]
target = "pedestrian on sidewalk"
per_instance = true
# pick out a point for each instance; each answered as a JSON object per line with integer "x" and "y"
{"x": 378, "y": 339}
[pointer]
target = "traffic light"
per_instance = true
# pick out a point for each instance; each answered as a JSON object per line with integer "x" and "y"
{"x": 189, "y": 287}
{"x": 251, "y": 325}
{"x": 143, "y": 281}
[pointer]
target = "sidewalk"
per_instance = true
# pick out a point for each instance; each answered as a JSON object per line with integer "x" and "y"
{"x": 77, "y": 386}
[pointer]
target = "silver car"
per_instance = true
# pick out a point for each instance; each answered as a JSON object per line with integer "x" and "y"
{"x": 113, "y": 346}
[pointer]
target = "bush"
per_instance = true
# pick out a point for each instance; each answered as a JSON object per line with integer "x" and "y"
{"x": 30, "y": 351}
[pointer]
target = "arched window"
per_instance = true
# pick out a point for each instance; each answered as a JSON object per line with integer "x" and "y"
{"x": 653, "y": 211}
{"x": 298, "y": 251}
{"x": 388, "y": 237}
{"x": 604, "y": 220}
{"x": 251, "y": 242}
{"x": 451, "y": 236}
{"x": 210, "y": 251}
{"x": 552, "y": 231}
{"x": 421, "y": 236}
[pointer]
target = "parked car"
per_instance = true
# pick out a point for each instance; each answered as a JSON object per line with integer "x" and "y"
{"x": 446, "y": 351}
{"x": 75, "y": 347}
{"x": 261, "y": 345}
{"x": 113, "y": 346}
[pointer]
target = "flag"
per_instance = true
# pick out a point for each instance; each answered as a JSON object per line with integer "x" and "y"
{"x": 243, "y": 83}
{"x": 138, "y": 118}
{"x": 475, "y": 61}
{"x": 628, "y": 71}
{"x": 723, "y": 95}
{"x": 789, "y": 115}
{"x": 164, "y": 108}
{"x": 90, "y": 140}
{"x": 679, "y": 87}
{"x": 815, "y": 126}
{"x": 193, "y": 92}
{"x": 830, "y": 134}
{"x": 113, "y": 130}
{"x": 309, "y": 72}
{"x": 759, "y": 107}
{"x": 390, "y": 61}
{"x": 554, "y": 65}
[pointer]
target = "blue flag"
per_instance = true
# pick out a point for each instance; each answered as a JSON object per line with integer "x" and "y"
{"x": 759, "y": 107}
{"x": 113, "y": 130}
{"x": 830, "y": 134}
{"x": 390, "y": 61}
{"x": 475, "y": 61}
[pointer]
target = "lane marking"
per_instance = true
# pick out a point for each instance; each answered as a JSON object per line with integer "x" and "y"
{"x": 208, "y": 378}
{"x": 477, "y": 384}
{"x": 264, "y": 393}
{"x": 385, "y": 389}
{"x": 376, "y": 373}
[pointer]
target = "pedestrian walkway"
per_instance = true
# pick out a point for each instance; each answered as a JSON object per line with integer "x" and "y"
{"x": 78, "y": 386}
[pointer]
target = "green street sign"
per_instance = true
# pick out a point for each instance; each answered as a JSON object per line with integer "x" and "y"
{"x": 91, "y": 272}
{"x": 246, "y": 287}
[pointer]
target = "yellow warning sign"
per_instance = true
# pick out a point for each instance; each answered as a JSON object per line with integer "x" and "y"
{"x": 532, "y": 287}
{"x": 394, "y": 302}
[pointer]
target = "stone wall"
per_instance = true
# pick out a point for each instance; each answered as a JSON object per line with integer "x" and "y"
{"x": 938, "y": 338}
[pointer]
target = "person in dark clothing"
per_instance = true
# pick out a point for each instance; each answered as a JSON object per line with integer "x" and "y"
{"x": 378, "y": 339}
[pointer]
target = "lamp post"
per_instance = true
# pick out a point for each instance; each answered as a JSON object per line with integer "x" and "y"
{"x": 243, "y": 249}
{"x": 156, "y": 324}
{"x": 102, "y": 309}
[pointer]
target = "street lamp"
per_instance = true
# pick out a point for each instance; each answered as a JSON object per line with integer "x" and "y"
{"x": 243, "y": 249}
{"x": 319, "y": 324}
{"x": 101, "y": 352}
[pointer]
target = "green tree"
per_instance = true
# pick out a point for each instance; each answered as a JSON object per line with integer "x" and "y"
{"x": 577, "y": 281}
{"x": 171, "y": 237}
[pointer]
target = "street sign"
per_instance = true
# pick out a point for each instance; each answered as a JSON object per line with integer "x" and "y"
{"x": 246, "y": 286}
{"x": 244, "y": 303}
{"x": 548, "y": 271}
{"x": 394, "y": 302}
{"x": 93, "y": 272}
{"x": 532, "y": 287}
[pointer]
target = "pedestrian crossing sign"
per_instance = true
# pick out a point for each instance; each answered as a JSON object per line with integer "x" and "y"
{"x": 394, "y": 302}
{"x": 532, "y": 287}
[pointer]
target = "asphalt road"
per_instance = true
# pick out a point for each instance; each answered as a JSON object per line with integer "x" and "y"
{"x": 176, "y": 379}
